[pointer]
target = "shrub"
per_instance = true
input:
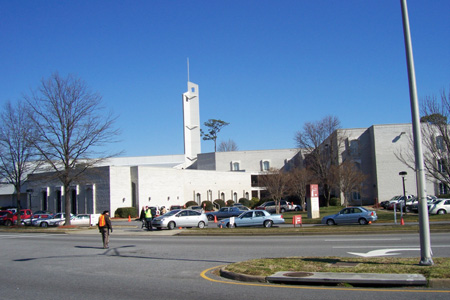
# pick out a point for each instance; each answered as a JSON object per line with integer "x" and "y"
{"x": 124, "y": 212}
{"x": 444, "y": 196}
{"x": 191, "y": 203}
{"x": 254, "y": 202}
{"x": 207, "y": 206}
{"x": 230, "y": 202}
{"x": 219, "y": 202}
{"x": 245, "y": 202}
{"x": 335, "y": 202}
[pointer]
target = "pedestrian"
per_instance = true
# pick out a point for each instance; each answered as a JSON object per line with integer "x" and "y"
{"x": 163, "y": 210}
{"x": 142, "y": 217}
{"x": 104, "y": 226}
{"x": 148, "y": 218}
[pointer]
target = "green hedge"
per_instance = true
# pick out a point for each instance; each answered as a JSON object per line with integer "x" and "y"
{"x": 190, "y": 203}
{"x": 245, "y": 202}
{"x": 230, "y": 202}
{"x": 335, "y": 202}
{"x": 207, "y": 206}
{"x": 124, "y": 212}
{"x": 219, "y": 202}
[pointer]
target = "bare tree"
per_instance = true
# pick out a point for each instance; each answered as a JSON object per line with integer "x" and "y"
{"x": 435, "y": 139}
{"x": 214, "y": 126}
{"x": 276, "y": 183}
{"x": 321, "y": 143}
{"x": 72, "y": 128}
{"x": 299, "y": 179}
{"x": 350, "y": 179}
{"x": 227, "y": 146}
{"x": 18, "y": 157}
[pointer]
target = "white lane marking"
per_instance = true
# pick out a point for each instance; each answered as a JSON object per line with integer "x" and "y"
{"x": 382, "y": 252}
{"x": 356, "y": 240}
{"x": 384, "y": 246}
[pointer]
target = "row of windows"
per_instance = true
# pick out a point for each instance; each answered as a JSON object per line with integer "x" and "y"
{"x": 198, "y": 197}
{"x": 236, "y": 165}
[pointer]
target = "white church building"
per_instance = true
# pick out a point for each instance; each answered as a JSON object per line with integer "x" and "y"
{"x": 195, "y": 176}
{"x": 160, "y": 180}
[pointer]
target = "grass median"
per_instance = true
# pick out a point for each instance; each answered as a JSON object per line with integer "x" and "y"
{"x": 384, "y": 265}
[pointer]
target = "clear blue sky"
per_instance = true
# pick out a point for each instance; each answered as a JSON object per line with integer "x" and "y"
{"x": 266, "y": 67}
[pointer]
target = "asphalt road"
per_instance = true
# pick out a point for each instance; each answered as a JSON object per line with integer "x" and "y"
{"x": 61, "y": 266}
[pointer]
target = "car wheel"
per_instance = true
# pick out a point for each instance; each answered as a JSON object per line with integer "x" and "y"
{"x": 210, "y": 217}
{"x": 44, "y": 224}
{"x": 282, "y": 210}
{"x": 158, "y": 228}
{"x": 297, "y": 209}
{"x": 8, "y": 223}
{"x": 268, "y": 223}
{"x": 441, "y": 212}
{"x": 362, "y": 221}
{"x": 229, "y": 225}
{"x": 330, "y": 222}
{"x": 171, "y": 225}
{"x": 201, "y": 224}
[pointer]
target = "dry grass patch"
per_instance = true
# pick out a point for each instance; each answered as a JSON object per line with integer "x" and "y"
{"x": 269, "y": 266}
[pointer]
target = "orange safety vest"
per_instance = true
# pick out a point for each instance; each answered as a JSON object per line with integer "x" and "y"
{"x": 101, "y": 221}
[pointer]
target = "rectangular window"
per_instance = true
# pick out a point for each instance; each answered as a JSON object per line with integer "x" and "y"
{"x": 441, "y": 165}
{"x": 440, "y": 143}
{"x": 442, "y": 189}
{"x": 356, "y": 196}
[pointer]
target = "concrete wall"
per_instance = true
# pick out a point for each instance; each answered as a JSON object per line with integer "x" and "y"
{"x": 249, "y": 161}
{"x": 166, "y": 187}
{"x": 120, "y": 188}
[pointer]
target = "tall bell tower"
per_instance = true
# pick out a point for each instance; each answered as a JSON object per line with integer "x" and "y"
{"x": 191, "y": 123}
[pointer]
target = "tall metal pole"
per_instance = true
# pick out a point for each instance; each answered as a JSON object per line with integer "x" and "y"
{"x": 424, "y": 225}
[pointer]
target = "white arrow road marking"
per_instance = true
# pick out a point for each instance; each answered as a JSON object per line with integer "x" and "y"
{"x": 382, "y": 252}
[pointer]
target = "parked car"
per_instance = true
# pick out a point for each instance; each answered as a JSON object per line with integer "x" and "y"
{"x": 155, "y": 211}
{"x": 4, "y": 212}
{"x": 271, "y": 207}
{"x": 180, "y": 218}
{"x": 42, "y": 214}
{"x": 197, "y": 208}
{"x": 439, "y": 207}
{"x": 11, "y": 218}
{"x": 81, "y": 219}
{"x": 350, "y": 215}
{"x": 430, "y": 200}
{"x": 37, "y": 215}
{"x": 224, "y": 212}
{"x": 252, "y": 218}
{"x": 173, "y": 207}
{"x": 400, "y": 202}
{"x": 46, "y": 222}
{"x": 386, "y": 203}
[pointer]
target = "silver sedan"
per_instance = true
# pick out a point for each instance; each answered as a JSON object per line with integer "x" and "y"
{"x": 180, "y": 218}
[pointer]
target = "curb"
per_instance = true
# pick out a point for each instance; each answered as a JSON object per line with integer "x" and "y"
{"x": 432, "y": 283}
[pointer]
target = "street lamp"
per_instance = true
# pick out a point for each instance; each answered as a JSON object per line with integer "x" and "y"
{"x": 403, "y": 174}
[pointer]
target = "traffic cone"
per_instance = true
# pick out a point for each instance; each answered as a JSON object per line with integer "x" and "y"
{"x": 179, "y": 227}
{"x": 402, "y": 222}
{"x": 215, "y": 219}
{"x": 129, "y": 218}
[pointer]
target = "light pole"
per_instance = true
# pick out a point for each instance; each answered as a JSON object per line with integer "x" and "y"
{"x": 403, "y": 174}
{"x": 424, "y": 226}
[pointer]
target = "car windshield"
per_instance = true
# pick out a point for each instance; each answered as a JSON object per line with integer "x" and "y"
{"x": 172, "y": 212}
